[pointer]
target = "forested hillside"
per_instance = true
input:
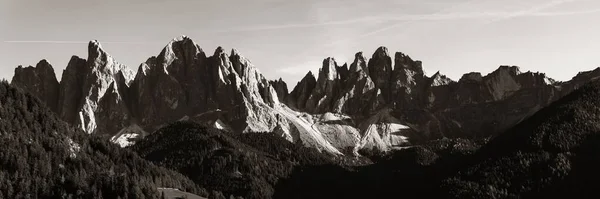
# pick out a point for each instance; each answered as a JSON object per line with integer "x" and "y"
{"x": 247, "y": 165}
{"x": 43, "y": 157}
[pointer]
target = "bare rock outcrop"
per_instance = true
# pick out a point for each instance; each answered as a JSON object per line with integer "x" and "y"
{"x": 40, "y": 81}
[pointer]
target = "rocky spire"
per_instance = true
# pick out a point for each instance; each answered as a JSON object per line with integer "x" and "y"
{"x": 71, "y": 89}
{"x": 298, "y": 97}
{"x": 281, "y": 88}
{"x": 359, "y": 64}
{"x": 326, "y": 89}
{"x": 438, "y": 79}
{"x": 403, "y": 61}
{"x": 40, "y": 81}
{"x": 380, "y": 70}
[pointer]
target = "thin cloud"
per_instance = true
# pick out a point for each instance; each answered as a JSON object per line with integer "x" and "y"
{"x": 74, "y": 42}
{"x": 439, "y": 15}
{"x": 407, "y": 22}
{"x": 531, "y": 11}
{"x": 50, "y": 42}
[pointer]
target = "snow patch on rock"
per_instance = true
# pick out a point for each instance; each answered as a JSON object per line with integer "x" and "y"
{"x": 219, "y": 124}
{"x": 127, "y": 135}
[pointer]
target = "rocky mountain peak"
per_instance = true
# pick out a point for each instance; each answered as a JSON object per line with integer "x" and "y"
{"x": 281, "y": 88}
{"x": 301, "y": 92}
{"x": 95, "y": 48}
{"x": 182, "y": 49}
{"x": 181, "y": 38}
{"x": 380, "y": 70}
{"x": 240, "y": 63}
{"x": 471, "y": 77}
{"x": 359, "y": 63}
{"x": 512, "y": 70}
{"x": 235, "y": 52}
{"x": 381, "y": 52}
{"x": 438, "y": 79}
{"x": 404, "y": 62}
{"x": 329, "y": 70}
{"x": 219, "y": 51}
{"x": 40, "y": 81}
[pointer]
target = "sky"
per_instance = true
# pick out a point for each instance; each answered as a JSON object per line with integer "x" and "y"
{"x": 287, "y": 38}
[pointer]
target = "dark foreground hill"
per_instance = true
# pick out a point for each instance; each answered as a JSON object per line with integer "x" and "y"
{"x": 553, "y": 154}
{"x": 43, "y": 157}
{"x": 246, "y": 165}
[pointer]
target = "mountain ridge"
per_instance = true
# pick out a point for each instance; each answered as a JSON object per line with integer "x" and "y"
{"x": 378, "y": 103}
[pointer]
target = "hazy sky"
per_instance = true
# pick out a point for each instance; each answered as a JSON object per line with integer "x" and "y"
{"x": 286, "y": 38}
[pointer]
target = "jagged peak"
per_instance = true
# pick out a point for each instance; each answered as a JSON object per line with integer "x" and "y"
{"x": 75, "y": 58}
{"x": 95, "y": 49}
{"x": 181, "y": 38}
{"x": 401, "y": 57}
{"x": 309, "y": 76}
{"x": 329, "y": 69}
{"x": 41, "y": 67}
{"x": 329, "y": 60}
{"x": 359, "y": 54}
{"x": 235, "y": 52}
{"x": 219, "y": 51}
{"x": 178, "y": 44}
{"x": 513, "y": 70}
{"x": 438, "y": 79}
{"x": 403, "y": 61}
{"x": 382, "y": 51}
{"x": 43, "y": 63}
{"x": 100, "y": 60}
{"x": 359, "y": 63}
{"x": 472, "y": 76}
{"x": 95, "y": 44}
{"x": 143, "y": 69}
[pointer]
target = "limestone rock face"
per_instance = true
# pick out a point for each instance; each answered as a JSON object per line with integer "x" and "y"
{"x": 376, "y": 103}
{"x": 298, "y": 97}
{"x": 71, "y": 90}
{"x": 396, "y": 107}
{"x": 359, "y": 93}
{"x": 322, "y": 96}
{"x": 281, "y": 88}
{"x": 101, "y": 76}
{"x": 40, "y": 81}
{"x": 380, "y": 70}
{"x": 408, "y": 82}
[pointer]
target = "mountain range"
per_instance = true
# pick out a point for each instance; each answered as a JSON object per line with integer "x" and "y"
{"x": 198, "y": 126}
{"x": 376, "y": 104}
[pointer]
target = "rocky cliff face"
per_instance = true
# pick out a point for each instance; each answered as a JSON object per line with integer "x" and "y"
{"x": 378, "y": 103}
{"x": 392, "y": 107}
{"x": 182, "y": 83}
{"x": 40, "y": 81}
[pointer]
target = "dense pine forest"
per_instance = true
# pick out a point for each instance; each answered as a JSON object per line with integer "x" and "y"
{"x": 43, "y": 157}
